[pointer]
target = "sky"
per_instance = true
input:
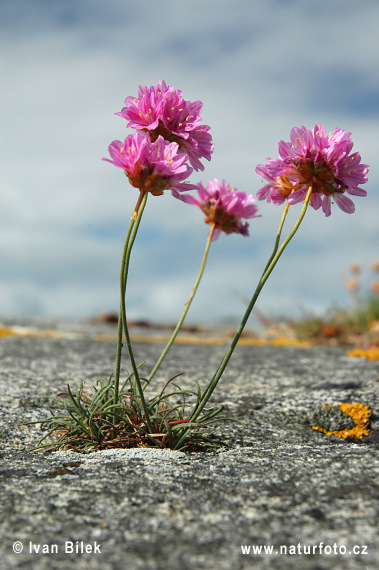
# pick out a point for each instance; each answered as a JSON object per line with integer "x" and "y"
{"x": 260, "y": 67}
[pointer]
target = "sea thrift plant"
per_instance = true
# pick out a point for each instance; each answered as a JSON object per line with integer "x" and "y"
{"x": 161, "y": 111}
{"x": 151, "y": 167}
{"x": 313, "y": 168}
{"x": 224, "y": 207}
{"x": 315, "y": 159}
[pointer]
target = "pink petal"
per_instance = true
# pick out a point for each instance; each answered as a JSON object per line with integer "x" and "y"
{"x": 297, "y": 196}
{"x": 264, "y": 192}
{"x": 344, "y": 203}
{"x": 316, "y": 201}
{"x": 326, "y": 206}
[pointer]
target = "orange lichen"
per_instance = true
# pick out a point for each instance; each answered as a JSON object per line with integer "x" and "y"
{"x": 219, "y": 340}
{"x": 370, "y": 353}
{"x": 184, "y": 339}
{"x": 361, "y": 417}
{"x": 278, "y": 341}
{"x": 26, "y": 332}
{"x": 6, "y": 331}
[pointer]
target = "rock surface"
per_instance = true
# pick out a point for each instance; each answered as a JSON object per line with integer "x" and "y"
{"x": 279, "y": 483}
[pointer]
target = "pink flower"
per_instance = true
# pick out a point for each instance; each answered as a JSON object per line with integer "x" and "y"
{"x": 223, "y": 206}
{"x": 151, "y": 166}
{"x": 161, "y": 111}
{"x": 315, "y": 159}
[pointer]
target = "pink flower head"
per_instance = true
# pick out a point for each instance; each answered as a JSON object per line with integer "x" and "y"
{"x": 314, "y": 159}
{"x": 151, "y": 166}
{"x": 223, "y": 206}
{"x": 161, "y": 111}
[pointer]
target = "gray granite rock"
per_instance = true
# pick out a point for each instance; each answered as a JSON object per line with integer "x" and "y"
{"x": 279, "y": 483}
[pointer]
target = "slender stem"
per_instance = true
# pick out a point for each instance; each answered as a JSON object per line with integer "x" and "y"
{"x": 122, "y": 322}
{"x": 139, "y": 201}
{"x": 119, "y": 327}
{"x": 123, "y": 280}
{"x": 277, "y": 240}
{"x": 186, "y": 306}
{"x": 214, "y": 381}
{"x": 261, "y": 283}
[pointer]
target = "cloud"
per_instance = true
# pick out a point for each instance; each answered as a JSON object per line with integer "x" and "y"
{"x": 259, "y": 68}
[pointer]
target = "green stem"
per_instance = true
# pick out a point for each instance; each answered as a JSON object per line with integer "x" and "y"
{"x": 214, "y": 381}
{"x": 186, "y": 306}
{"x": 129, "y": 241}
{"x": 119, "y": 327}
{"x": 277, "y": 240}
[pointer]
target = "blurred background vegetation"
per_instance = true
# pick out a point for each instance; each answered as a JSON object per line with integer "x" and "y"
{"x": 357, "y": 324}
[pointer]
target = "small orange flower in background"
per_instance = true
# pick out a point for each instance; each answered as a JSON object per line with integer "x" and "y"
{"x": 355, "y": 268}
{"x": 352, "y": 284}
{"x": 361, "y": 416}
{"x": 374, "y": 286}
{"x": 375, "y": 266}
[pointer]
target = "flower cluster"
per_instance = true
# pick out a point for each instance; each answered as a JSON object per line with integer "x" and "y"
{"x": 322, "y": 162}
{"x": 169, "y": 133}
{"x": 161, "y": 111}
{"x": 151, "y": 167}
{"x": 223, "y": 206}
